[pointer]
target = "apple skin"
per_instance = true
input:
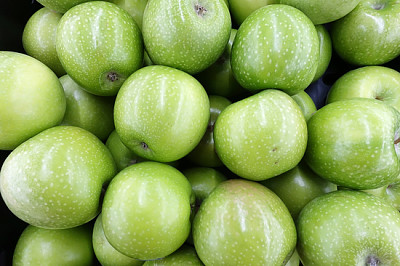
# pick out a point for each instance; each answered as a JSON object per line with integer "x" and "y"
{"x": 61, "y": 6}
{"x": 352, "y": 143}
{"x": 54, "y": 180}
{"x": 261, "y": 136}
{"x": 88, "y": 111}
{"x": 39, "y": 38}
{"x": 241, "y": 9}
{"x": 376, "y": 82}
{"x": 99, "y": 45}
{"x": 185, "y": 255}
{"x": 47, "y": 247}
{"x": 106, "y": 254}
{"x": 146, "y": 210}
{"x": 134, "y": 7}
{"x": 325, "y": 51}
{"x": 349, "y": 228}
{"x": 161, "y": 113}
{"x": 322, "y": 12}
{"x": 305, "y": 103}
{"x": 184, "y": 34}
{"x": 31, "y": 99}
{"x": 243, "y": 223}
{"x": 204, "y": 153}
{"x": 276, "y": 47}
{"x": 370, "y": 34}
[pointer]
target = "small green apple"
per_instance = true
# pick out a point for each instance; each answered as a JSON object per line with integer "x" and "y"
{"x": 39, "y": 38}
{"x": 354, "y": 143}
{"x": 146, "y": 210}
{"x": 204, "y": 153}
{"x": 55, "y": 179}
{"x": 99, "y": 45}
{"x": 185, "y": 255}
{"x": 161, "y": 113}
{"x": 376, "y": 82}
{"x": 185, "y": 34}
{"x": 325, "y": 51}
{"x": 31, "y": 99}
{"x": 261, "y": 136}
{"x": 106, "y": 254}
{"x": 276, "y": 47}
{"x": 243, "y": 223}
{"x": 49, "y": 247}
{"x": 390, "y": 193}
{"x": 61, "y": 6}
{"x": 349, "y": 228}
{"x": 241, "y": 9}
{"x": 134, "y": 7}
{"x": 370, "y": 34}
{"x": 305, "y": 103}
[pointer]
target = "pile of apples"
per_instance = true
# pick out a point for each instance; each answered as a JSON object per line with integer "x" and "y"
{"x": 179, "y": 132}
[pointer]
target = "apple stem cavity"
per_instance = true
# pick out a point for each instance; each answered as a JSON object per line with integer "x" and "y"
{"x": 112, "y": 76}
{"x": 378, "y": 6}
{"x": 200, "y": 10}
{"x": 372, "y": 261}
{"x": 144, "y": 145}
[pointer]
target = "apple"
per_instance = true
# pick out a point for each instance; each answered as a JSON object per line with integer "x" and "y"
{"x": 161, "y": 113}
{"x": 321, "y": 12}
{"x": 185, "y": 34}
{"x": 349, "y": 228}
{"x": 294, "y": 259}
{"x": 305, "y": 103}
{"x": 61, "y": 6}
{"x": 390, "y": 193}
{"x": 261, "y": 136}
{"x": 354, "y": 143}
{"x": 241, "y": 9}
{"x": 376, "y": 82}
{"x": 370, "y": 34}
{"x": 39, "y": 38}
{"x": 31, "y": 99}
{"x": 88, "y": 111}
{"x": 276, "y": 47}
{"x": 298, "y": 186}
{"x": 106, "y": 254}
{"x": 243, "y": 223}
{"x": 47, "y": 247}
{"x": 146, "y": 210}
{"x": 134, "y": 7}
{"x": 204, "y": 153}
{"x": 55, "y": 179}
{"x": 325, "y": 51}
{"x": 185, "y": 255}
{"x": 99, "y": 45}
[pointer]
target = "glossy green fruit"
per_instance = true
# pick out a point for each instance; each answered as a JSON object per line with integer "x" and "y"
{"x": 305, "y": 103}
{"x": 185, "y": 255}
{"x": 241, "y": 9}
{"x": 55, "y": 179}
{"x": 99, "y": 45}
{"x": 325, "y": 51}
{"x": 61, "y": 6}
{"x": 134, "y": 7}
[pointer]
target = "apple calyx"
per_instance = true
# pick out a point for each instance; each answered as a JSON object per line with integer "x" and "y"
{"x": 144, "y": 145}
{"x": 200, "y": 10}
{"x": 112, "y": 76}
{"x": 372, "y": 261}
{"x": 378, "y": 6}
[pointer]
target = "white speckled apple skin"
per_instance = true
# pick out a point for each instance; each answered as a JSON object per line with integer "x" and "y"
{"x": 96, "y": 38}
{"x": 345, "y": 227}
{"x": 276, "y": 47}
{"x": 146, "y": 210}
{"x": 106, "y": 254}
{"x": 61, "y": 6}
{"x": 54, "y": 180}
{"x": 351, "y": 143}
{"x": 185, "y": 255}
{"x": 175, "y": 35}
{"x": 261, "y": 136}
{"x": 243, "y": 223}
{"x": 163, "y": 107}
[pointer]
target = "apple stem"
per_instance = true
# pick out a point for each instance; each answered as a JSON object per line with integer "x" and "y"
{"x": 372, "y": 261}
{"x": 200, "y": 10}
{"x": 396, "y": 141}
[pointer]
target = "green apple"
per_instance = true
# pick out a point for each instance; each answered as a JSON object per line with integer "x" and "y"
{"x": 185, "y": 255}
{"x": 88, "y": 111}
{"x": 349, "y": 228}
{"x": 370, "y": 34}
{"x": 146, "y": 210}
{"x": 31, "y": 99}
{"x": 204, "y": 153}
{"x": 354, "y": 143}
{"x": 49, "y": 247}
{"x": 376, "y": 82}
{"x": 297, "y": 187}
{"x": 134, "y": 7}
{"x": 241, "y": 9}
{"x": 325, "y": 51}
{"x": 106, "y": 254}
{"x": 276, "y": 47}
{"x": 55, "y": 179}
{"x": 161, "y": 113}
{"x": 218, "y": 79}
{"x": 294, "y": 259}
{"x": 99, "y": 45}
{"x": 390, "y": 193}
{"x": 185, "y": 34}
{"x": 321, "y": 12}
{"x": 61, "y": 6}
{"x": 305, "y": 103}
{"x": 39, "y": 38}
{"x": 261, "y": 136}
{"x": 243, "y": 223}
